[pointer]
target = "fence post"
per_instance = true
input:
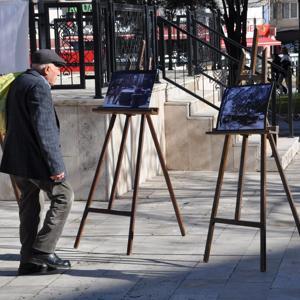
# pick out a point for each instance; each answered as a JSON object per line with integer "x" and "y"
{"x": 162, "y": 49}
{"x": 290, "y": 102}
{"x": 81, "y": 45}
{"x": 97, "y": 48}
{"x": 32, "y": 31}
{"x": 194, "y": 43}
{"x": 155, "y": 40}
{"x": 213, "y": 40}
{"x": 110, "y": 38}
{"x": 169, "y": 46}
{"x": 43, "y": 19}
{"x": 147, "y": 36}
{"x": 189, "y": 43}
{"x": 218, "y": 39}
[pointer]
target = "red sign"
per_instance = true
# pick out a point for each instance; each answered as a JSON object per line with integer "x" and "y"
{"x": 263, "y": 30}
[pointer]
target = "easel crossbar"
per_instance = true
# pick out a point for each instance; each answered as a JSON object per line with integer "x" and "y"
{"x": 109, "y": 211}
{"x": 237, "y": 222}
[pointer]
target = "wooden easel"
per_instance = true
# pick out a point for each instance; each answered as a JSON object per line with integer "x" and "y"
{"x": 250, "y": 77}
{"x": 144, "y": 114}
{"x": 268, "y": 134}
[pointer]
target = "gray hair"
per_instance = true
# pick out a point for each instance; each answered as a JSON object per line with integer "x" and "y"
{"x": 39, "y": 67}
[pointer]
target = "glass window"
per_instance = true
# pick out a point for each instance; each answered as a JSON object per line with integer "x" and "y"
{"x": 285, "y": 10}
{"x": 294, "y": 10}
{"x": 274, "y": 10}
{"x": 289, "y": 10}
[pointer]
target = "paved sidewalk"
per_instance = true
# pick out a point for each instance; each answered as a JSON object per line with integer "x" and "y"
{"x": 165, "y": 265}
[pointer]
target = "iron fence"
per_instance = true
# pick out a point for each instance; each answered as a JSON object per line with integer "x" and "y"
{"x": 188, "y": 56}
{"x": 94, "y": 38}
{"x": 97, "y": 38}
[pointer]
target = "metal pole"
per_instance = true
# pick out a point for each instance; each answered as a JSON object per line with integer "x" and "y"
{"x": 147, "y": 23}
{"x": 155, "y": 40}
{"x": 189, "y": 43}
{"x": 44, "y": 35}
{"x": 290, "y": 102}
{"x": 194, "y": 43}
{"x": 169, "y": 47}
{"x": 97, "y": 49}
{"x": 32, "y": 31}
{"x": 162, "y": 62}
{"x": 110, "y": 35}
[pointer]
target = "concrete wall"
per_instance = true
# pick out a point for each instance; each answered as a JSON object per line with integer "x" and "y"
{"x": 181, "y": 128}
{"x": 83, "y": 133}
{"x": 82, "y": 137}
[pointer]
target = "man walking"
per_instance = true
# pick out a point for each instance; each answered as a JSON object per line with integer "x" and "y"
{"x": 286, "y": 64}
{"x": 32, "y": 155}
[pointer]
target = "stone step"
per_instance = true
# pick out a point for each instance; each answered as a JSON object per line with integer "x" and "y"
{"x": 188, "y": 147}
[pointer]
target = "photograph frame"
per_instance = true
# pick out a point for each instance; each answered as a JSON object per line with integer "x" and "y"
{"x": 244, "y": 111}
{"x": 130, "y": 89}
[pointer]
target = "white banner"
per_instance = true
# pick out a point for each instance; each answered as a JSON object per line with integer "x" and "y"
{"x": 14, "y": 40}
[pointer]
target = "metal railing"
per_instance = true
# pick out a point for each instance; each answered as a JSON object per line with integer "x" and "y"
{"x": 94, "y": 42}
{"x": 110, "y": 36}
{"x": 195, "y": 51}
{"x": 179, "y": 67}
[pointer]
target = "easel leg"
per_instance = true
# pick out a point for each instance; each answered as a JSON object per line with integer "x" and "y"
{"x": 120, "y": 157}
{"x": 241, "y": 178}
{"x": 136, "y": 185}
{"x": 263, "y": 255}
{"x": 284, "y": 182}
{"x": 216, "y": 198}
{"x": 13, "y": 182}
{"x": 95, "y": 180}
{"x": 166, "y": 175}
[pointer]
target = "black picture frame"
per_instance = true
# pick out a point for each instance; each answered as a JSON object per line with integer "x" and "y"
{"x": 130, "y": 89}
{"x": 244, "y": 108}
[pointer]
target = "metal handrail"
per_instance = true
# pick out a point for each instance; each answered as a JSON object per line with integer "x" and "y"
{"x": 236, "y": 44}
{"x": 165, "y": 21}
{"x": 162, "y": 21}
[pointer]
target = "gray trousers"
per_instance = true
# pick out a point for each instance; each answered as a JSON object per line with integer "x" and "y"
{"x": 34, "y": 234}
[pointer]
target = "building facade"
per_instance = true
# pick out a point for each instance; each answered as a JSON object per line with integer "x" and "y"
{"x": 284, "y": 14}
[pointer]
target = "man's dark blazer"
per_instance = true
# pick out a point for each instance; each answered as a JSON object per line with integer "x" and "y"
{"x": 31, "y": 145}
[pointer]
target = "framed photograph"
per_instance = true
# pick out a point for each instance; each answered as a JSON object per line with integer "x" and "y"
{"x": 244, "y": 108}
{"x": 130, "y": 89}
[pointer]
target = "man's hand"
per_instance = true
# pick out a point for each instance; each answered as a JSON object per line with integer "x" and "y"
{"x": 58, "y": 177}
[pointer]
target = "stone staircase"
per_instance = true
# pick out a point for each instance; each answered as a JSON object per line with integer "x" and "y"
{"x": 189, "y": 148}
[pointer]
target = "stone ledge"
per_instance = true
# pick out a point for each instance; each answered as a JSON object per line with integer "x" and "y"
{"x": 82, "y": 97}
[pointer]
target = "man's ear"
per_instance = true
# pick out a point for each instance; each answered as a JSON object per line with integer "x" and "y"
{"x": 45, "y": 70}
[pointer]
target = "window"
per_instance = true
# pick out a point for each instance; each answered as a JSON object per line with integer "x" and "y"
{"x": 273, "y": 10}
{"x": 289, "y": 10}
{"x": 294, "y": 10}
{"x": 285, "y": 10}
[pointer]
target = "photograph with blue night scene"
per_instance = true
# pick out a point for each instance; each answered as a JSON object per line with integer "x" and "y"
{"x": 244, "y": 108}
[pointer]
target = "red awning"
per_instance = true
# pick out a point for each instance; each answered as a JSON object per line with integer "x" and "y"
{"x": 264, "y": 41}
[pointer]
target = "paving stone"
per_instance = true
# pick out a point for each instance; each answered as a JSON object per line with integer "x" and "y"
{"x": 284, "y": 294}
{"x": 288, "y": 274}
{"x": 245, "y": 291}
{"x": 163, "y": 264}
